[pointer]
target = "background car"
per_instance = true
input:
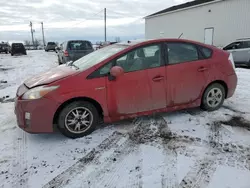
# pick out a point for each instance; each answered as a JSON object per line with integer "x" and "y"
{"x": 18, "y": 48}
{"x": 73, "y": 50}
{"x": 241, "y": 52}
{"x": 4, "y": 47}
{"x": 125, "y": 80}
{"x": 51, "y": 46}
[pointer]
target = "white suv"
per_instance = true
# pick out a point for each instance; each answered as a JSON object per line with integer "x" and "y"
{"x": 241, "y": 52}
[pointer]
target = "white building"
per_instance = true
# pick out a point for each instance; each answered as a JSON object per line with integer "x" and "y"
{"x": 216, "y": 22}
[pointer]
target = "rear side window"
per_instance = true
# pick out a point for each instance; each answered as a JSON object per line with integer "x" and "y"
{"x": 246, "y": 44}
{"x": 79, "y": 45}
{"x": 181, "y": 52}
{"x": 207, "y": 53}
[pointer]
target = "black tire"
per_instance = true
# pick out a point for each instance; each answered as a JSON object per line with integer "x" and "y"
{"x": 73, "y": 106}
{"x": 6, "y": 52}
{"x": 205, "y": 105}
{"x": 11, "y": 54}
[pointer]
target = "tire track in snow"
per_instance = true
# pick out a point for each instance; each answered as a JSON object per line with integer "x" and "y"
{"x": 93, "y": 156}
{"x": 200, "y": 174}
{"x": 215, "y": 136}
{"x": 109, "y": 173}
{"x": 116, "y": 170}
{"x": 20, "y": 166}
{"x": 169, "y": 174}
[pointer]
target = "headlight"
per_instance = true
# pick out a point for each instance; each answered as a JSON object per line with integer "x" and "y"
{"x": 38, "y": 92}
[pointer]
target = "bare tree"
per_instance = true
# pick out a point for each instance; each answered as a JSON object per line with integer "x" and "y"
{"x": 37, "y": 42}
{"x": 27, "y": 42}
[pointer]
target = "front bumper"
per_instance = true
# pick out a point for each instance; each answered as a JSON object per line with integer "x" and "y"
{"x": 41, "y": 113}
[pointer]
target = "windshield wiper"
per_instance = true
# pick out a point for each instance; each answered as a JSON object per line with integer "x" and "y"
{"x": 71, "y": 64}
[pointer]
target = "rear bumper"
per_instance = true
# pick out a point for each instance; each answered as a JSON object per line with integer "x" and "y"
{"x": 232, "y": 85}
{"x": 41, "y": 112}
{"x": 18, "y": 51}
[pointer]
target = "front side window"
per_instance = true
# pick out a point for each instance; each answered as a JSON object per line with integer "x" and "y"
{"x": 181, "y": 52}
{"x": 141, "y": 58}
{"x": 234, "y": 45}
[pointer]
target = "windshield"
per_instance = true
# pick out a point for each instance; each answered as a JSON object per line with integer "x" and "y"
{"x": 51, "y": 43}
{"x": 97, "y": 56}
{"x": 79, "y": 45}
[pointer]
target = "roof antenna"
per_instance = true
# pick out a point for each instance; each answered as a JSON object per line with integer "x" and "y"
{"x": 180, "y": 36}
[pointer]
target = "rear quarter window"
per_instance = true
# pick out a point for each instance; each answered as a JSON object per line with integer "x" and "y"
{"x": 207, "y": 53}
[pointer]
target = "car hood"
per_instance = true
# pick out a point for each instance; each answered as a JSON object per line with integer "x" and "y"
{"x": 50, "y": 76}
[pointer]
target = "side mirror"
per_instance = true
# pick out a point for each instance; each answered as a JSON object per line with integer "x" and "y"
{"x": 116, "y": 71}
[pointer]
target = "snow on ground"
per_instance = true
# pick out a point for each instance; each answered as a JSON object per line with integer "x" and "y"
{"x": 189, "y": 148}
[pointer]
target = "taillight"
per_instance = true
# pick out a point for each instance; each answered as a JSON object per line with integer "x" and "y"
{"x": 231, "y": 59}
{"x": 66, "y": 53}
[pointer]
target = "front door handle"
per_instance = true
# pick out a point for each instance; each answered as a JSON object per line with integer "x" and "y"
{"x": 202, "y": 69}
{"x": 158, "y": 78}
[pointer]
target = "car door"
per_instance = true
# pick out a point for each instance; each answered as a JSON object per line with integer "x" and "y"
{"x": 142, "y": 86}
{"x": 187, "y": 74}
{"x": 244, "y": 52}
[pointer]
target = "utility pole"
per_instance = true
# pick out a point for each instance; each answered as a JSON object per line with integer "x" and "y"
{"x": 43, "y": 35}
{"x": 105, "y": 31}
{"x": 31, "y": 30}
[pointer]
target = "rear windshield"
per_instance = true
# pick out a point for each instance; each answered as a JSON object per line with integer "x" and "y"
{"x": 79, "y": 45}
{"x": 51, "y": 43}
{"x": 17, "y": 45}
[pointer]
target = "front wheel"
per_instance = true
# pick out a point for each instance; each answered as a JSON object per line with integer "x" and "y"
{"x": 78, "y": 119}
{"x": 213, "y": 97}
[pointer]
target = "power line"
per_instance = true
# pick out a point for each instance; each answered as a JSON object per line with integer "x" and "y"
{"x": 118, "y": 28}
{"x": 87, "y": 18}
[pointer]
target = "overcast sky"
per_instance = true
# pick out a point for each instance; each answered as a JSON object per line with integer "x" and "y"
{"x": 68, "y": 19}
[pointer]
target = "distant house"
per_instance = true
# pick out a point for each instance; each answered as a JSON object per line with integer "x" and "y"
{"x": 216, "y": 22}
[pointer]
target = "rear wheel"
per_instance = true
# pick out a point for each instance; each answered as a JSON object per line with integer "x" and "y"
{"x": 78, "y": 119}
{"x": 213, "y": 97}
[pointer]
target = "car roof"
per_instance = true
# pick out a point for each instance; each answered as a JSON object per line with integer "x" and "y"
{"x": 243, "y": 39}
{"x": 139, "y": 42}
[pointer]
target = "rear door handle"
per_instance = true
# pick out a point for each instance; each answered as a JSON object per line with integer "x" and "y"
{"x": 158, "y": 78}
{"x": 201, "y": 69}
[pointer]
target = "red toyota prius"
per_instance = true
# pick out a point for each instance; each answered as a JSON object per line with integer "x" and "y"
{"x": 125, "y": 80}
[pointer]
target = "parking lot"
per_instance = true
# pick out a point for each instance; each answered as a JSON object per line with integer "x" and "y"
{"x": 189, "y": 148}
